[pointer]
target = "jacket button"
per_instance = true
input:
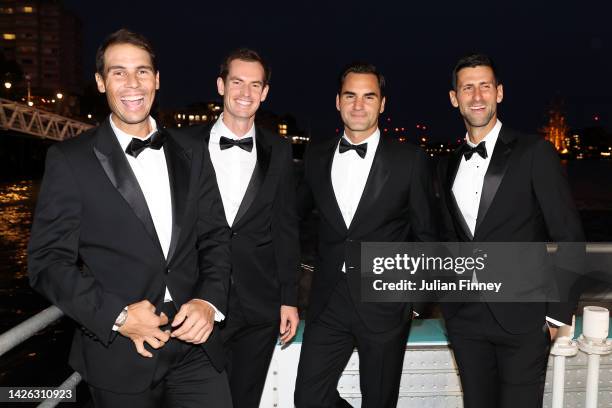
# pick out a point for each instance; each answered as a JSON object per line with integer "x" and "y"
{"x": 167, "y": 271}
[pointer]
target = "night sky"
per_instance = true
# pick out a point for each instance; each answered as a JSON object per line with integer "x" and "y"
{"x": 543, "y": 49}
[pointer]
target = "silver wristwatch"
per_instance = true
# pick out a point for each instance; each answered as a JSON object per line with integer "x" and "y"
{"x": 122, "y": 317}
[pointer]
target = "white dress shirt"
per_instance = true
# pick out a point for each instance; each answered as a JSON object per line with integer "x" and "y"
{"x": 151, "y": 172}
{"x": 349, "y": 174}
{"x": 233, "y": 167}
{"x": 467, "y": 187}
{"x": 469, "y": 180}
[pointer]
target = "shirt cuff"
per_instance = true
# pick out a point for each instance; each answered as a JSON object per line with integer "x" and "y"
{"x": 553, "y": 321}
{"x": 219, "y": 317}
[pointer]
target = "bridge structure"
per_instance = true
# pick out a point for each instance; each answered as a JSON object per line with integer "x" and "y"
{"x": 21, "y": 118}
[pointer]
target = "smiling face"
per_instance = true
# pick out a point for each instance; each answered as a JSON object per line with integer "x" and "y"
{"x": 360, "y": 104}
{"x": 243, "y": 90}
{"x": 477, "y": 96}
{"x": 130, "y": 82}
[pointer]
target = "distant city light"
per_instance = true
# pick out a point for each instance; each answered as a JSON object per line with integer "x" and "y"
{"x": 59, "y": 95}
{"x": 89, "y": 116}
{"x": 596, "y": 118}
{"x": 8, "y": 85}
{"x": 30, "y": 103}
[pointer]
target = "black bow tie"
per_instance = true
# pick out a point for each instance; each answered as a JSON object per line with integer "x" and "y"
{"x": 245, "y": 144}
{"x": 360, "y": 149}
{"x": 468, "y": 151}
{"x": 136, "y": 146}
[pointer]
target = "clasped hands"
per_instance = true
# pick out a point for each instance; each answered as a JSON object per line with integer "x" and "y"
{"x": 193, "y": 323}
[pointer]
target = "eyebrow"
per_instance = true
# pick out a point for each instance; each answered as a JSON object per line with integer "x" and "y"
{"x": 235, "y": 78}
{"x": 122, "y": 67}
{"x": 351, "y": 93}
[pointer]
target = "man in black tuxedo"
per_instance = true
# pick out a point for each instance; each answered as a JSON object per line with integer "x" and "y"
{"x": 254, "y": 172}
{"x": 128, "y": 240}
{"x": 366, "y": 188}
{"x": 502, "y": 186}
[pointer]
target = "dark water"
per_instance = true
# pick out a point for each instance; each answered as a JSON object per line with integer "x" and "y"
{"x": 41, "y": 360}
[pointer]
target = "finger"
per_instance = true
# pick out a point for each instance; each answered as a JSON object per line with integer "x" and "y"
{"x": 191, "y": 335}
{"x": 163, "y": 319}
{"x": 187, "y": 324}
{"x": 153, "y": 342}
{"x": 140, "y": 348}
{"x": 161, "y": 335}
{"x": 180, "y": 317}
{"x": 283, "y": 326}
{"x": 207, "y": 331}
{"x": 199, "y": 337}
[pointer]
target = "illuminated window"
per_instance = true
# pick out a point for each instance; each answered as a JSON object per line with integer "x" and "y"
{"x": 28, "y": 9}
{"x": 8, "y": 36}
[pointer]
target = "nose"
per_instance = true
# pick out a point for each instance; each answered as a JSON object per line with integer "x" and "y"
{"x": 359, "y": 102}
{"x": 477, "y": 94}
{"x": 132, "y": 80}
{"x": 245, "y": 90}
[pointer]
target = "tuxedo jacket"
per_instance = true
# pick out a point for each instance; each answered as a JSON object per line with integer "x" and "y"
{"x": 395, "y": 206}
{"x": 525, "y": 198}
{"x": 265, "y": 234}
{"x": 94, "y": 249}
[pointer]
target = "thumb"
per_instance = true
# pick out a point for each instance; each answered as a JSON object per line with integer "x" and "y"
{"x": 283, "y": 325}
{"x": 163, "y": 319}
{"x": 180, "y": 317}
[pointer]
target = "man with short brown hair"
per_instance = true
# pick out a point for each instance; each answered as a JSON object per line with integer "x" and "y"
{"x": 128, "y": 240}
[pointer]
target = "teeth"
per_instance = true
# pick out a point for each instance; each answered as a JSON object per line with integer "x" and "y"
{"x": 132, "y": 98}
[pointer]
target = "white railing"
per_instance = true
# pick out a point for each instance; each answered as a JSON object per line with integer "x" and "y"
{"x": 36, "y": 122}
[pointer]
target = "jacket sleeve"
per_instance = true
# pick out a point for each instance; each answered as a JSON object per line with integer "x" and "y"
{"x": 213, "y": 241}
{"x": 564, "y": 226}
{"x": 285, "y": 230}
{"x": 53, "y": 253}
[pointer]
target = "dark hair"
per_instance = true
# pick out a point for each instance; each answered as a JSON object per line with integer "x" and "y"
{"x": 248, "y": 55}
{"x": 472, "y": 61}
{"x": 361, "y": 68}
{"x": 123, "y": 36}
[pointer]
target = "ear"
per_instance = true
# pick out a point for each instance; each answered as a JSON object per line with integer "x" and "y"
{"x": 157, "y": 80}
{"x": 382, "y": 105}
{"x": 453, "y": 98}
{"x": 220, "y": 86}
{"x": 264, "y": 93}
{"x": 500, "y": 93}
{"x": 338, "y": 102}
{"x": 100, "y": 83}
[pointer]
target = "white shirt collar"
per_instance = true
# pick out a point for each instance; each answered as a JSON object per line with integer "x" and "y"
{"x": 371, "y": 140}
{"x": 490, "y": 138}
{"x": 220, "y": 129}
{"x": 125, "y": 138}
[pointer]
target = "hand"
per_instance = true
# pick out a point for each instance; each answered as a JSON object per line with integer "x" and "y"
{"x": 553, "y": 332}
{"x": 142, "y": 325}
{"x": 289, "y": 320}
{"x": 197, "y": 320}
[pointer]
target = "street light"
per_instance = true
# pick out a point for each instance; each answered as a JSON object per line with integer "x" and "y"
{"x": 30, "y": 103}
{"x": 59, "y": 95}
{"x": 8, "y": 85}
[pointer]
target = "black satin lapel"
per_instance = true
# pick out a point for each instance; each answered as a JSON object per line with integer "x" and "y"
{"x": 120, "y": 174}
{"x": 377, "y": 178}
{"x": 493, "y": 178}
{"x": 257, "y": 178}
{"x": 451, "y": 172}
{"x": 328, "y": 203}
{"x": 179, "y": 171}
